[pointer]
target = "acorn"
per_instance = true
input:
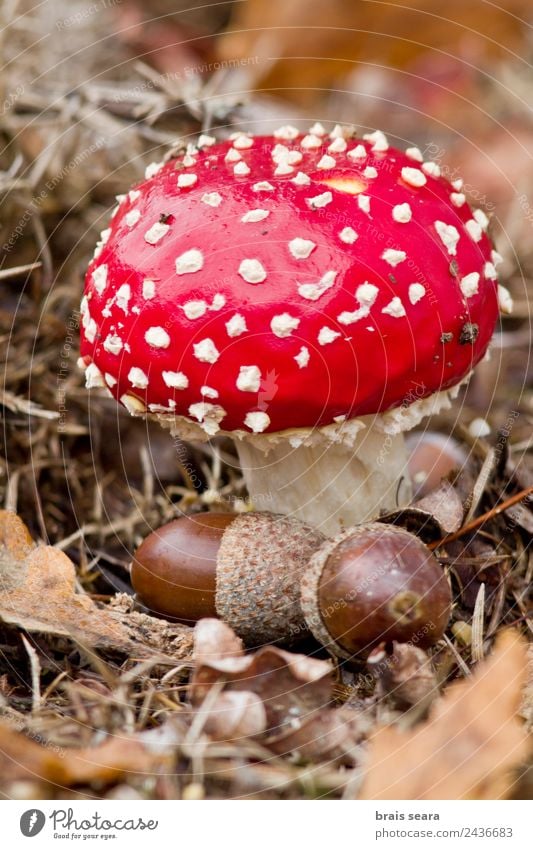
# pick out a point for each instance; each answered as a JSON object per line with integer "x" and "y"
{"x": 244, "y": 569}
{"x": 372, "y": 584}
{"x": 432, "y": 456}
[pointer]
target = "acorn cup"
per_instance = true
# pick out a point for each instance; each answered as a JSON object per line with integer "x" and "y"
{"x": 243, "y": 569}
{"x": 274, "y": 579}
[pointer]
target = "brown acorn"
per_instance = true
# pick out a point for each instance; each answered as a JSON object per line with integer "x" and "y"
{"x": 375, "y": 583}
{"x": 243, "y": 569}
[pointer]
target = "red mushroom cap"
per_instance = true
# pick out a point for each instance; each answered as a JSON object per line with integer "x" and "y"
{"x": 277, "y": 282}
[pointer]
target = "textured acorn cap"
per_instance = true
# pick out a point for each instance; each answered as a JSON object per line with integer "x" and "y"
{"x": 260, "y": 563}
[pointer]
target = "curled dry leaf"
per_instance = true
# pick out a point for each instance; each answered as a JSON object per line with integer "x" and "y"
{"x": 469, "y": 746}
{"x": 289, "y": 685}
{"x": 23, "y": 759}
{"x": 38, "y": 593}
{"x": 405, "y": 675}
{"x": 236, "y": 714}
{"x": 329, "y": 735}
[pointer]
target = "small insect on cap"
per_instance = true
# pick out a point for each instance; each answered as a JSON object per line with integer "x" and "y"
{"x": 288, "y": 281}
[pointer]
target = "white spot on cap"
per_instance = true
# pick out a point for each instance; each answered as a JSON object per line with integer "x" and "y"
{"x": 469, "y": 284}
{"x": 210, "y": 415}
{"x": 243, "y": 142}
{"x": 432, "y": 169}
{"x": 301, "y": 248}
{"x": 148, "y": 289}
{"x": 415, "y": 154}
{"x": 99, "y": 278}
{"x": 152, "y": 169}
{"x": 206, "y": 141}
{"x": 236, "y": 325}
{"x": 358, "y": 152}
{"x": 156, "y": 232}
{"x": 194, "y": 309}
{"x": 189, "y": 160}
{"x": 91, "y": 329}
{"x": 113, "y": 344}
{"x": 317, "y": 129}
{"x": 257, "y": 421}
{"x": 283, "y": 169}
{"x": 175, "y": 379}
{"x": 338, "y": 145}
{"x": 458, "y": 199}
{"x": 157, "y": 337}
{"x": 138, "y": 378}
{"x": 134, "y": 194}
{"x": 208, "y": 392}
{"x": 252, "y": 271}
{"x": 310, "y": 142}
{"x": 287, "y": 132}
{"x": 132, "y": 217}
{"x": 474, "y": 230}
{"x": 505, "y": 301}
{"x": 301, "y": 179}
{"x": 348, "y": 235}
{"x": 413, "y": 177}
{"x": 366, "y": 295}
{"x": 241, "y": 169}
{"x": 338, "y": 131}
{"x": 232, "y": 155}
{"x": 218, "y": 302}
{"x": 370, "y": 172}
{"x": 249, "y": 379}
{"x": 393, "y": 256}
{"x": 93, "y": 377}
{"x": 326, "y": 162}
{"x": 110, "y": 380}
{"x": 313, "y": 291}
{"x": 363, "y": 202}
{"x": 379, "y": 140}
{"x": 132, "y": 404}
{"x": 302, "y": 357}
{"x": 206, "y": 351}
{"x": 402, "y": 213}
{"x": 489, "y": 271}
{"x": 189, "y": 262}
{"x": 416, "y": 292}
{"x": 326, "y": 336}
{"x": 496, "y": 258}
{"x": 283, "y": 325}
{"x": 395, "y": 308}
{"x": 212, "y": 199}
{"x": 458, "y": 184}
{"x": 481, "y": 218}
{"x": 255, "y": 215}
{"x": 449, "y": 236}
{"x": 185, "y": 181}
{"x": 123, "y": 297}
{"x": 263, "y": 186}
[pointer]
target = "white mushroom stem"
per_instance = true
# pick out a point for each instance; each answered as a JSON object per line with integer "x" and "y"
{"x": 328, "y": 485}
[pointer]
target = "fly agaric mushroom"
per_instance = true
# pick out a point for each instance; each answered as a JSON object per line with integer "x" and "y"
{"x": 311, "y": 296}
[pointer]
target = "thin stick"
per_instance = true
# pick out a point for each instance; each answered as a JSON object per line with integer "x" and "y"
{"x": 475, "y": 523}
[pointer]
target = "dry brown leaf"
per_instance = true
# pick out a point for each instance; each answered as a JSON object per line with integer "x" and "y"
{"x": 405, "y": 675}
{"x": 118, "y": 757}
{"x": 289, "y": 685}
{"x": 38, "y": 593}
{"x": 469, "y": 746}
{"x": 329, "y": 735}
{"x": 234, "y": 715}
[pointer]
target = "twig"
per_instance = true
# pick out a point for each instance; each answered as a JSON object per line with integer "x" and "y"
{"x": 490, "y": 514}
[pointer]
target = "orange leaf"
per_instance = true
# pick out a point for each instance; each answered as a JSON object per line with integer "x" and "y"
{"x": 471, "y": 743}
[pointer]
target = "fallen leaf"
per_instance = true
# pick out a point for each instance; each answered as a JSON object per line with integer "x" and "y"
{"x": 329, "y": 735}
{"x": 38, "y": 593}
{"x": 117, "y": 757}
{"x": 234, "y": 715}
{"x": 289, "y": 685}
{"x": 469, "y": 746}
